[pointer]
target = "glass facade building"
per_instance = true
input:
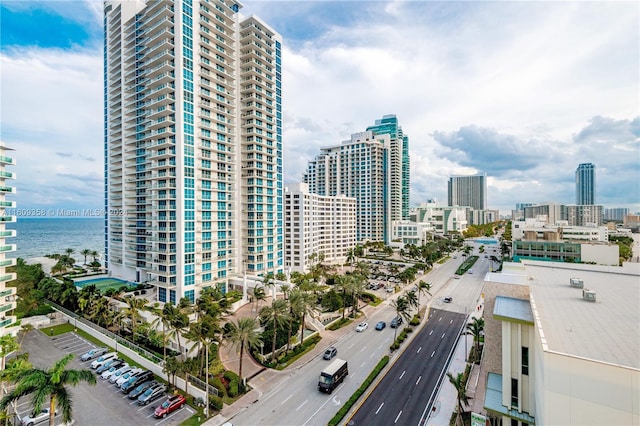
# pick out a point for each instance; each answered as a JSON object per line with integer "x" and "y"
{"x": 193, "y": 145}
{"x": 586, "y": 184}
{"x": 7, "y": 294}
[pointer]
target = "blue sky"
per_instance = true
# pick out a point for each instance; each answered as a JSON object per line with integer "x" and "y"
{"x": 524, "y": 91}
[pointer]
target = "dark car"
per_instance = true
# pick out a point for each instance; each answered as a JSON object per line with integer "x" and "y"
{"x": 380, "y": 325}
{"x": 169, "y": 406}
{"x": 395, "y": 322}
{"x": 330, "y": 353}
{"x": 141, "y": 388}
{"x": 152, "y": 394}
{"x": 130, "y": 384}
{"x": 448, "y": 299}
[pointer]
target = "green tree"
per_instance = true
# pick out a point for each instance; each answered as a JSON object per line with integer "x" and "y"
{"x": 134, "y": 306}
{"x": 171, "y": 368}
{"x": 476, "y": 328}
{"x": 49, "y": 384}
{"x": 85, "y": 253}
{"x": 258, "y": 294}
{"x": 423, "y": 287}
{"x": 244, "y": 333}
{"x": 305, "y": 306}
{"x": 401, "y": 308}
{"x": 459, "y": 382}
{"x": 164, "y": 318}
{"x": 277, "y": 314}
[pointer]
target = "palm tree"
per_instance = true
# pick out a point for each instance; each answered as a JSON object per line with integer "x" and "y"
{"x": 278, "y": 315}
{"x": 24, "y": 330}
{"x": 476, "y": 327}
{"x": 203, "y": 333}
{"x": 401, "y": 307}
{"x": 305, "y": 307}
{"x": 85, "y": 253}
{"x": 8, "y": 345}
{"x": 423, "y": 287}
{"x": 351, "y": 255}
{"x": 94, "y": 254}
{"x": 259, "y": 294}
{"x": 412, "y": 299}
{"x": 171, "y": 368}
{"x": 459, "y": 383}
{"x": 180, "y": 324}
{"x": 244, "y": 333}
{"x": 13, "y": 367}
{"x": 51, "y": 384}
{"x": 164, "y": 317}
{"x": 269, "y": 281}
{"x": 134, "y": 306}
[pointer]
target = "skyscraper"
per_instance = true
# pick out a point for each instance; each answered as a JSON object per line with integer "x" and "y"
{"x": 193, "y": 145}
{"x": 7, "y": 294}
{"x": 373, "y": 168}
{"x": 399, "y": 174}
{"x": 468, "y": 191}
{"x": 586, "y": 184}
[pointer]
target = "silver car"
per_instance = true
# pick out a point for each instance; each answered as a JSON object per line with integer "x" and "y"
{"x": 33, "y": 419}
{"x": 152, "y": 394}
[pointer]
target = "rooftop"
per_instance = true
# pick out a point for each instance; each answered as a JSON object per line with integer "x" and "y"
{"x": 605, "y": 330}
{"x": 515, "y": 310}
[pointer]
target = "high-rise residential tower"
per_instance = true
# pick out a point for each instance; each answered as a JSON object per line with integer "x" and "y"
{"x": 400, "y": 170}
{"x": 586, "y": 184}
{"x": 468, "y": 191}
{"x": 7, "y": 294}
{"x": 193, "y": 144}
{"x": 373, "y": 168}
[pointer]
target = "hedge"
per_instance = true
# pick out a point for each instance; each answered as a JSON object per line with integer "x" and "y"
{"x": 358, "y": 393}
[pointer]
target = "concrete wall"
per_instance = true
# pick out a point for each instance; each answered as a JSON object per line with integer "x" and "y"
{"x": 600, "y": 254}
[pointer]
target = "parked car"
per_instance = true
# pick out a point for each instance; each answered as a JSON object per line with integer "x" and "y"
{"x": 362, "y": 326}
{"x": 141, "y": 388}
{"x": 33, "y": 419}
{"x": 448, "y": 299}
{"x": 93, "y": 353}
{"x": 169, "y": 406}
{"x": 390, "y": 289}
{"x": 119, "y": 373}
{"x": 138, "y": 378}
{"x": 380, "y": 325}
{"x": 330, "y": 353}
{"x": 114, "y": 362}
{"x": 396, "y": 322}
{"x": 126, "y": 376}
{"x": 104, "y": 358}
{"x": 113, "y": 370}
{"x": 152, "y": 394}
{"x": 471, "y": 271}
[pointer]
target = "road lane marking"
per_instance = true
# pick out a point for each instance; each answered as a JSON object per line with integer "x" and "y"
{"x": 289, "y": 397}
{"x": 402, "y": 375}
{"x": 419, "y": 349}
{"x": 433, "y": 353}
{"x": 418, "y": 381}
{"x": 372, "y": 354}
{"x": 363, "y": 349}
{"x": 300, "y": 406}
{"x": 443, "y": 335}
{"x": 396, "y": 421}
{"x": 322, "y": 406}
{"x": 379, "y": 408}
{"x": 431, "y": 332}
{"x": 440, "y": 319}
{"x": 451, "y": 322}
{"x": 351, "y": 346}
{"x": 362, "y": 365}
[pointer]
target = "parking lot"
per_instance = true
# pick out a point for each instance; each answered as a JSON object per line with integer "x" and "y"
{"x": 102, "y": 404}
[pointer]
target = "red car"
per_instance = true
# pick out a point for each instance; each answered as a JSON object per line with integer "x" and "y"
{"x": 169, "y": 406}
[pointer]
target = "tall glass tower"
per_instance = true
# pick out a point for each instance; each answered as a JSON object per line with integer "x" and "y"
{"x": 7, "y": 294}
{"x": 192, "y": 143}
{"x": 586, "y": 184}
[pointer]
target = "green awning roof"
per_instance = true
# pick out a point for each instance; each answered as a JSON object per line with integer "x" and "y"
{"x": 493, "y": 401}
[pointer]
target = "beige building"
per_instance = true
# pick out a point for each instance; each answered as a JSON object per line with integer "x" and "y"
{"x": 562, "y": 345}
{"x": 317, "y": 224}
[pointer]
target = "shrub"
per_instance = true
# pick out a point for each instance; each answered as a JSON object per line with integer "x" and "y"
{"x": 233, "y": 388}
{"x": 415, "y": 320}
{"x": 217, "y": 383}
{"x": 215, "y": 403}
{"x": 231, "y": 376}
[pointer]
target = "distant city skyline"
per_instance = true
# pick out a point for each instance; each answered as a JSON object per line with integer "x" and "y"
{"x": 468, "y": 93}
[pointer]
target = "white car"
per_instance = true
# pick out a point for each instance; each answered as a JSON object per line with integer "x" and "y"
{"x": 113, "y": 370}
{"x": 115, "y": 376}
{"x": 34, "y": 419}
{"x": 104, "y": 358}
{"x": 362, "y": 326}
{"x": 126, "y": 376}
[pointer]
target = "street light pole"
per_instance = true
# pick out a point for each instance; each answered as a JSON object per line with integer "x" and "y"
{"x": 465, "y": 333}
{"x": 206, "y": 379}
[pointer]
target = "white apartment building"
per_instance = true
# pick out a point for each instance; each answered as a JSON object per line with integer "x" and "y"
{"x": 360, "y": 168}
{"x": 193, "y": 144}
{"x": 317, "y": 224}
{"x": 538, "y": 229}
{"x": 561, "y": 345}
{"x": 406, "y": 232}
{"x": 7, "y": 294}
{"x": 443, "y": 219}
{"x": 575, "y": 215}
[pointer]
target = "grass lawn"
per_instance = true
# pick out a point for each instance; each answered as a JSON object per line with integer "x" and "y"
{"x": 107, "y": 283}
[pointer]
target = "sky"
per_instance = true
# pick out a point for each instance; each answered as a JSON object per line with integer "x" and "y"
{"x": 521, "y": 91}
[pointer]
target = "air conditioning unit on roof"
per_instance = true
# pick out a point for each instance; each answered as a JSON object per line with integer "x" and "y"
{"x": 589, "y": 295}
{"x": 576, "y": 282}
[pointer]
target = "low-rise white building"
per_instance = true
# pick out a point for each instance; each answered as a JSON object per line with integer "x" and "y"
{"x": 561, "y": 345}
{"x": 538, "y": 229}
{"x": 405, "y": 232}
{"x": 317, "y": 224}
{"x": 444, "y": 219}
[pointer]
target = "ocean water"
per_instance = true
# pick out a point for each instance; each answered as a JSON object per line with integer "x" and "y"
{"x": 38, "y": 237}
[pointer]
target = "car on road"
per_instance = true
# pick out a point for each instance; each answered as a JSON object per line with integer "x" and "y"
{"x": 36, "y": 418}
{"x": 152, "y": 394}
{"x": 396, "y": 322}
{"x": 471, "y": 271}
{"x": 448, "y": 299}
{"x": 113, "y": 370}
{"x": 457, "y": 277}
{"x": 362, "y": 326}
{"x": 169, "y": 406}
{"x": 93, "y": 353}
{"x": 119, "y": 373}
{"x": 330, "y": 353}
{"x": 104, "y": 358}
{"x": 380, "y": 325}
{"x": 141, "y": 388}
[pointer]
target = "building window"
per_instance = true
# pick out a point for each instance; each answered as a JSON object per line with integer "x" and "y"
{"x": 514, "y": 393}
{"x": 514, "y": 422}
{"x": 525, "y": 361}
